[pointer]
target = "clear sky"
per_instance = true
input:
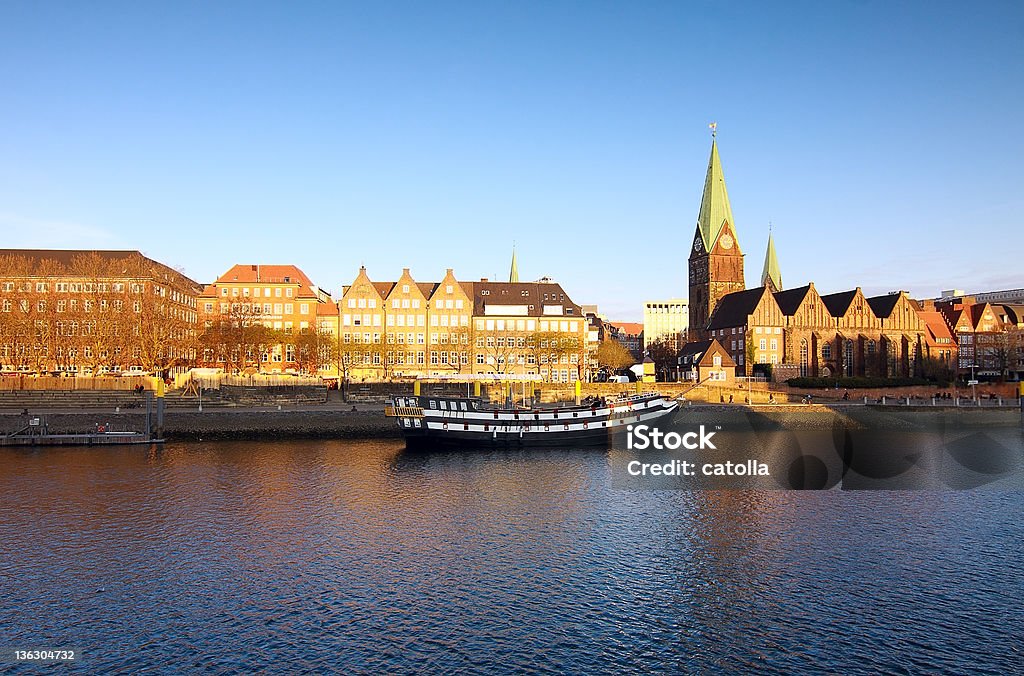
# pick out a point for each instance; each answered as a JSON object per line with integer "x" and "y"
{"x": 883, "y": 140}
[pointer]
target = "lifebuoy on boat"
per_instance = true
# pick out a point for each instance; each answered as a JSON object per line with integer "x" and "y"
{"x": 102, "y": 429}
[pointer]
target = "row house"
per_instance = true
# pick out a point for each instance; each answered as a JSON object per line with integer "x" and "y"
{"x": 410, "y": 329}
{"x": 988, "y": 336}
{"x": 837, "y": 334}
{"x": 940, "y": 344}
{"x": 529, "y": 328}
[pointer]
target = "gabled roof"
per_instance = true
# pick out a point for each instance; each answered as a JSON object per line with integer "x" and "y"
{"x": 628, "y": 328}
{"x": 694, "y": 351}
{"x": 714, "y": 204}
{"x": 1015, "y": 313}
{"x": 734, "y": 308}
{"x": 790, "y": 299}
{"x": 936, "y": 327}
{"x": 383, "y": 288}
{"x": 701, "y": 353}
{"x": 882, "y": 306}
{"x": 839, "y": 303}
{"x": 771, "y": 270}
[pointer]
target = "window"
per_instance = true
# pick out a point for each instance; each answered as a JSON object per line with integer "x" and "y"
{"x": 826, "y": 351}
{"x": 762, "y": 344}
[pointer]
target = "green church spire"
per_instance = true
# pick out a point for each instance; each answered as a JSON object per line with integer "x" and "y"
{"x": 714, "y": 205}
{"x": 771, "y": 276}
{"x": 513, "y": 274}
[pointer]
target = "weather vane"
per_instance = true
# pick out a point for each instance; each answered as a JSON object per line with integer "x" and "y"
{"x": 714, "y": 129}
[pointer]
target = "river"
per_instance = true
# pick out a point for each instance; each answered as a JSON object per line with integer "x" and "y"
{"x": 358, "y": 556}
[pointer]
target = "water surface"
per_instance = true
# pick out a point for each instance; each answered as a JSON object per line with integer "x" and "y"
{"x": 327, "y": 556}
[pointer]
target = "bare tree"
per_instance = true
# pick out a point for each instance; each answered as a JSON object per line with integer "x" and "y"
{"x": 612, "y": 355}
{"x": 314, "y": 348}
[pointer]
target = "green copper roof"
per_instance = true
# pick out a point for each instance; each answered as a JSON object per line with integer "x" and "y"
{"x": 714, "y": 205}
{"x": 771, "y": 266}
{"x": 513, "y": 274}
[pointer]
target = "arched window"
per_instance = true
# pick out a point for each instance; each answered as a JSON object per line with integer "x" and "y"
{"x": 848, "y": 358}
{"x": 803, "y": 358}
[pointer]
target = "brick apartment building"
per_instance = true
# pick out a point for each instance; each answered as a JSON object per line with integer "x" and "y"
{"x": 94, "y": 312}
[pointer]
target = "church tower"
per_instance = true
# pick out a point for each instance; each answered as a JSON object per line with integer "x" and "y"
{"x": 771, "y": 276}
{"x": 513, "y": 273}
{"x": 716, "y": 261}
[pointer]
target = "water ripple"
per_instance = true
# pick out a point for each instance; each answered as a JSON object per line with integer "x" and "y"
{"x": 322, "y": 557}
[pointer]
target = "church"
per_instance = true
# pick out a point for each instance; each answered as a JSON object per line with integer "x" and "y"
{"x": 793, "y": 332}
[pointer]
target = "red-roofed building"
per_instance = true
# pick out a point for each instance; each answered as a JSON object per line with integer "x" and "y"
{"x": 279, "y": 298}
{"x": 630, "y": 335}
{"x": 940, "y": 344}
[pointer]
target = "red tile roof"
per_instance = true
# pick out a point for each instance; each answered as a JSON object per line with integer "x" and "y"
{"x": 265, "y": 274}
{"x": 628, "y": 328}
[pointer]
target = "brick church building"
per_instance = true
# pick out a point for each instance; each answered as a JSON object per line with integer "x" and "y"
{"x": 798, "y": 331}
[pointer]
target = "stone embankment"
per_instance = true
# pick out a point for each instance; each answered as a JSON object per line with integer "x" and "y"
{"x": 234, "y": 423}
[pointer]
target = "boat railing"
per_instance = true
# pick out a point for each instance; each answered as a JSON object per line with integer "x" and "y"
{"x": 403, "y": 411}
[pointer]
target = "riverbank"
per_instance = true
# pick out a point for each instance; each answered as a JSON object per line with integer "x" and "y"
{"x": 367, "y": 421}
{"x": 822, "y": 417}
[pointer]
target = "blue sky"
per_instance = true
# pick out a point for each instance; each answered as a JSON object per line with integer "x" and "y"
{"x": 883, "y": 140}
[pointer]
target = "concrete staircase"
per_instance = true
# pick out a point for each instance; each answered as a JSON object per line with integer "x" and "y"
{"x": 36, "y": 400}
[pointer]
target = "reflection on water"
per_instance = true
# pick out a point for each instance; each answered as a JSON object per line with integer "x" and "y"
{"x": 359, "y": 556}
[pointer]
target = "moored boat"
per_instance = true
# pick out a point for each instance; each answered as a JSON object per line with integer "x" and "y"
{"x": 469, "y": 422}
